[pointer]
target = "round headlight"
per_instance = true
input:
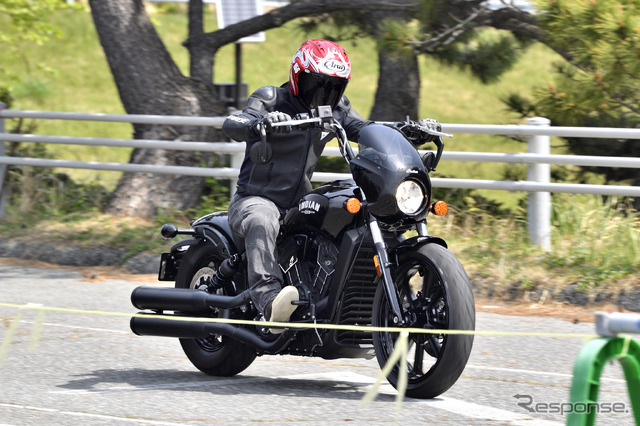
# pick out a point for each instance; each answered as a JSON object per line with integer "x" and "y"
{"x": 410, "y": 197}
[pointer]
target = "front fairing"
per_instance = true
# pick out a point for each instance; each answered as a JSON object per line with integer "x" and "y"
{"x": 384, "y": 160}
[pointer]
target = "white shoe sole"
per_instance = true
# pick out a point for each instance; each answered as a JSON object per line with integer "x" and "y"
{"x": 282, "y": 306}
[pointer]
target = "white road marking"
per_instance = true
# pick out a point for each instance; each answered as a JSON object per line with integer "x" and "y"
{"x": 75, "y": 327}
{"x": 534, "y": 372}
{"x": 87, "y": 415}
{"x": 477, "y": 411}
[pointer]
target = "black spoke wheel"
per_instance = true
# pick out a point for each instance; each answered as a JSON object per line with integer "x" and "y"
{"x": 216, "y": 355}
{"x": 434, "y": 293}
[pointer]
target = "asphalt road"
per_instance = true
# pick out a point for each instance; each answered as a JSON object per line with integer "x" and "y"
{"x": 90, "y": 369}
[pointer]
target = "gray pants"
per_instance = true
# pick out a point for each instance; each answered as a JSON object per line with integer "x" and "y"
{"x": 255, "y": 223}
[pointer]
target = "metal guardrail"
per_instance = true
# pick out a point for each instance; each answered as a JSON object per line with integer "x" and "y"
{"x": 538, "y": 157}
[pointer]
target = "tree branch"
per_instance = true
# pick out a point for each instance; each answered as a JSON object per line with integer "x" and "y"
{"x": 519, "y": 22}
{"x": 278, "y": 17}
{"x": 446, "y": 36}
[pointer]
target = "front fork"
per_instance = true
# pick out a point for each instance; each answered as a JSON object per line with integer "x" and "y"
{"x": 385, "y": 270}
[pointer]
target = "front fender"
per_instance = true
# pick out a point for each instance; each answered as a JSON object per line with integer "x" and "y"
{"x": 413, "y": 243}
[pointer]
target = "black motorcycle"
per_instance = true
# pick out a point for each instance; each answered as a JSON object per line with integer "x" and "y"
{"x": 348, "y": 248}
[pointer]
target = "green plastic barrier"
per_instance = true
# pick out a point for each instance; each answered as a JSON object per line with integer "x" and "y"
{"x": 586, "y": 376}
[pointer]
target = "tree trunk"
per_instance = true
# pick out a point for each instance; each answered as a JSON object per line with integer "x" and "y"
{"x": 398, "y": 93}
{"x": 149, "y": 82}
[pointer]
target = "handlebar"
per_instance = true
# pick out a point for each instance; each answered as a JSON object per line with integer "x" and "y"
{"x": 324, "y": 120}
{"x": 317, "y": 121}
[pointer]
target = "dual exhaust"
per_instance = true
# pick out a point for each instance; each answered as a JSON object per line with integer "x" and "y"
{"x": 189, "y": 302}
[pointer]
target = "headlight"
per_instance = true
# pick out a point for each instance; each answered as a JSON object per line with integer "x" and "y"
{"x": 410, "y": 197}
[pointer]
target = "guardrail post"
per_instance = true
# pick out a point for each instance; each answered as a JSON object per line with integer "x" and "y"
{"x": 539, "y": 203}
{"x": 236, "y": 162}
{"x": 3, "y": 170}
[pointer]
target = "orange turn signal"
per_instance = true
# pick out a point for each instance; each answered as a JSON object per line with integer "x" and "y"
{"x": 377, "y": 265}
{"x": 439, "y": 208}
{"x": 353, "y": 205}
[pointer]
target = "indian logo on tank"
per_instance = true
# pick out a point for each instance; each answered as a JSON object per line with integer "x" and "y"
{"x": 309, "y": 207}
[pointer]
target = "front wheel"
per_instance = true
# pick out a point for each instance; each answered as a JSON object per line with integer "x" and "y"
{"x": 434, "y": 293}
{"x": 216, "y": 355}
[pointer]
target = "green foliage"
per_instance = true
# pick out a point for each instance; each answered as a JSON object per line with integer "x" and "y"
{"x": 467, "y": 200}
{"x": 397, "y": 38}
{"x": 24, "y": 23}
{"x": 601, "y": 39}
{"x": 29, "y": 21}
{"x": 489, "y": 54}
{"x": 596, "y": 239}
{"x": 337, "y": 26}
{"x": 33, "y": 87}
{"x": 42, "y": 191}
{"x": 597, "y": 85}
{"x": 431, "y": 12}
{"x": 216, "y": 197}
{"x": 5, "y": 96}
{"x": 595, "y": 242}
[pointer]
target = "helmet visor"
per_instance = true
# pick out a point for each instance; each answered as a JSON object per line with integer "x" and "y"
{"x": 319, "y": 89}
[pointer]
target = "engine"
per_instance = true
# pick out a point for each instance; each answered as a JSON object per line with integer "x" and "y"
{"x": 308, "y": 263}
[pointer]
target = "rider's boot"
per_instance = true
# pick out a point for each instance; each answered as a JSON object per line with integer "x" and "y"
{"x": 282, "y": 307}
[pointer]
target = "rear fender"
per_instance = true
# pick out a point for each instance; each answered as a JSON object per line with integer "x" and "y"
{"x": 204, "y": 234}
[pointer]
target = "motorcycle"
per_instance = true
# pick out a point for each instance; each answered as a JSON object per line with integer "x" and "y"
{"x": 359, "y": 253}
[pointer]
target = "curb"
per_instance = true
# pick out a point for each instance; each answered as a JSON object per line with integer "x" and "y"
{"x": 141, "y": 263}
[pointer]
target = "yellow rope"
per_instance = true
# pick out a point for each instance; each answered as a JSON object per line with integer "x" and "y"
{"x": 306, "y": 325}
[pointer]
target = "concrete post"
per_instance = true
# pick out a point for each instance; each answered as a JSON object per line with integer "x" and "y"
{"x": 539, "y": 203}
{"x": 3, "y": 170}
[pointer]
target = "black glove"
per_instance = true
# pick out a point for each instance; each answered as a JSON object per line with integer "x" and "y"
{"x": 411, "y": 131}
{"x": 276, "y": 117}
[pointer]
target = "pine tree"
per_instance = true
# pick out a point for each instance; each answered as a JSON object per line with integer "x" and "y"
{"x": 599, "y": 85}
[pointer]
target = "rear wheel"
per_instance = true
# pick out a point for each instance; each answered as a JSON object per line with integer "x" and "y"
{"x": 216, "y": 355}
{"x": 434, "y": 293}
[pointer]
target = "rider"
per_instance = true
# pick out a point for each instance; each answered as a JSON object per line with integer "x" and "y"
{"x": 268, "y": 185}
{"x": 320, "y": 71}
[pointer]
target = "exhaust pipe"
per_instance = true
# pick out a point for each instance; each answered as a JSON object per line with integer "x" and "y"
{"x": 185, "y": 329}
{"x": 184, "y": 299}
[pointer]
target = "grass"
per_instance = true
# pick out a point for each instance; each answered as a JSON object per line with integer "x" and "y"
{"x": 595, "y": 242}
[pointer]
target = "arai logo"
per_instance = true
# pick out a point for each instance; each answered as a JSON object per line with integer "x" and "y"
{"x": 335, "y": 66}
{"x": 309, "y": 207}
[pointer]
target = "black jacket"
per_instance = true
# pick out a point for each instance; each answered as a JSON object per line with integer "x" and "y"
{"x": 286, "y": 178}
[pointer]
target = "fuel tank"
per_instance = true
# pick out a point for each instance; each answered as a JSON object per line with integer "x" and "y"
{"x": 324, "y": 209}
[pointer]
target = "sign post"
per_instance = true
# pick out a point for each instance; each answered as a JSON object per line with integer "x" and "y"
{"x": 231, "y": 12}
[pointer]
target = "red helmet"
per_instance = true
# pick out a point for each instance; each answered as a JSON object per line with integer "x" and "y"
{"x": 320, "y": 71}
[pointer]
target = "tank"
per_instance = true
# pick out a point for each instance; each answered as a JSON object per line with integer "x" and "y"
{"x": 324, "y": 209}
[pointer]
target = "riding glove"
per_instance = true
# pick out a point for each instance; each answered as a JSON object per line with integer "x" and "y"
{"x": 276, "y": 117}
{"x": 412, "y": 131}
{"x": 430, "y": 124}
